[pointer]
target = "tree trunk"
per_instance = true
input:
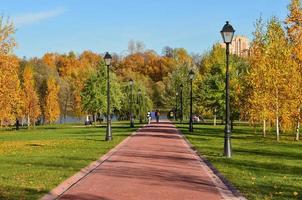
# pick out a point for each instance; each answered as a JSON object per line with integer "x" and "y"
{"x": 215, "y": 117}
{"x": 28, "y": 121}
{"x": 298, "y": 127}
{"x": 264, "y": 128}
{"x": 298, "y": 132}
{"x": 277, "y": 116}
{"x": 65, "y": 109}
{"x": 94, "y": 119}
{"x": 277, "y": 128}
{"x": 17, "y": 124}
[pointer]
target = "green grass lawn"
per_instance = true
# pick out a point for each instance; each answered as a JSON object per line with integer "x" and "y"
{"x": 261, "y": 168}
{"x": 32, "y": 162}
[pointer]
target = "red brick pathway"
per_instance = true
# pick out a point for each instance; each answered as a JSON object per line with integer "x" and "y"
{"x": 154, "y": 164}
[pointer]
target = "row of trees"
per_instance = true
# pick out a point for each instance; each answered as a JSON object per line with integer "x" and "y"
{"x": 274, "y": 81}
{"x": 265, "y": 87}
{"x": 61, "y": 85}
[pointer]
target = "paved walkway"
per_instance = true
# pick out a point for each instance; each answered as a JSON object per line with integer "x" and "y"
{"x": 155, "y": 163}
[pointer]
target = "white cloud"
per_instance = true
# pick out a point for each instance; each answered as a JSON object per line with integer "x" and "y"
{"x": 36, "y": 17}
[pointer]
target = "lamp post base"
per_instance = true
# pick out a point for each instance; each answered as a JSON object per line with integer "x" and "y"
{"x": 191, "y": 126}
{"x": 108, "y": 138}
{"x": 227, "y": 146}
{"x": 132, "y": 123}
{"x": 108, "y": 133}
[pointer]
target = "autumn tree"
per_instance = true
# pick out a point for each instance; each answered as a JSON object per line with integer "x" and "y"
{"x": 30, "y": 97}
{"x": 89, "y": 59}
{"x": 7, "y": 40}
{"x": 51, "y": 106}
{"x": 50, "y": 59}
{"x": 256, "y": 104}
{"x": 294, "y": 31}
{"x": 10, "y": 91}
{"x": 280, "y": 77}
{"x": 66, "y": 64}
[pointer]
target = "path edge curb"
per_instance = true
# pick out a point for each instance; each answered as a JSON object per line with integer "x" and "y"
{"x": 235, "y": 192}
{"x": 59, "y": 190}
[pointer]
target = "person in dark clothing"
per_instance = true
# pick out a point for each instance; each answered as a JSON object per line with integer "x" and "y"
{"x": 157, "y": 114}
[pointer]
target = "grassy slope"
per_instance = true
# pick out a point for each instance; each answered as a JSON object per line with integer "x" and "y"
{"x": 33, "y": 162}
{"x": 261, "y": 168}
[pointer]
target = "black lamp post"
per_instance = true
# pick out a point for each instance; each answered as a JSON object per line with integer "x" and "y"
{"x": 131, "y": 82}
{"x": 139, "y": 105}
{"x": 181, "y": 113}
{"x": 175, "y": 114}
{"x": 227, "y": 33}
{"x": 108, "y": 59}
{"x": 191, "y": 76}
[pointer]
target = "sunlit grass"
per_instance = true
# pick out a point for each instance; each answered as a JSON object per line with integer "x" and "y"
{"x": 261, "y": 168}
{"x": 32, "y": 162}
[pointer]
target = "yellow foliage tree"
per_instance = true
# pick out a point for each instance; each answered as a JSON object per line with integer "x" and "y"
{"x": 10, "y": 91}
{"x": 52, "y": 107}
{"x": 274, "y": 80}
{"x": 294, "y": 31}
{"x": 257, "y": 104}
{"x": 31, "y": 100}
{"x": 50, "y": 59}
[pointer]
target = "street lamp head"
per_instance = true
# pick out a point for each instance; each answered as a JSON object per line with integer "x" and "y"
{"x": 181, "y": 86}
{"x": 227, "y": 33}
{"x": 131, "y": 81}
{"x": 139, "y": 92}
{"x": 107, "y": 58}
{"x": 176, "y": 93}
{"x": 191, "y": 74}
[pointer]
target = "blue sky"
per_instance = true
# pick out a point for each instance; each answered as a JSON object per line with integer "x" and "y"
{"x": 99, "y": 25}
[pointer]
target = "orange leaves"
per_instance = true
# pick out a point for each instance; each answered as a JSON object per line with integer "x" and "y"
{"x": 90, "y": 59}
{"x": 31, "y": 100}
{"x": 51, "y": 107}
{"x": 50, "y": 59}
{"x": 66, "y": 65}
{"x": 10, "y": 93}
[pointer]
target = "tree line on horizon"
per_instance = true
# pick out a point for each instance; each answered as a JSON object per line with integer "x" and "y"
{"x": 266, "y": 86}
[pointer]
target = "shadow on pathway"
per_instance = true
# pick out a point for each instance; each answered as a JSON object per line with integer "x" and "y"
{"x": 155, "y": 163}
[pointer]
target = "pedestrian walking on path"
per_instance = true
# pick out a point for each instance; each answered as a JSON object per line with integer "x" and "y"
{"x": 157, "y": 114}
{"x": 149, "y": 117}
{"x": 156, "y": 163}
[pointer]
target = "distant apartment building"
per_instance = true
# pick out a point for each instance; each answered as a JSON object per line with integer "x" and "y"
{"x": 239, "y": 46}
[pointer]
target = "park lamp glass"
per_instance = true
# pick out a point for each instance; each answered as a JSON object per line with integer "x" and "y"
{"x": 131, "y": 82}
{"x": 181, "y": 86}
{"x": 139, "y": 92}
{"x": 191, "y": 74}
{"x": 227, "y": 33}
{"x": 176, "y": 93}
{"x": 107, "y": 58}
